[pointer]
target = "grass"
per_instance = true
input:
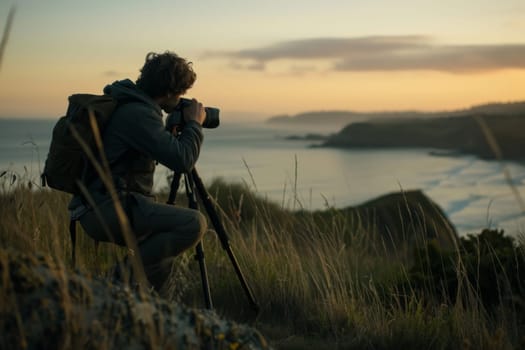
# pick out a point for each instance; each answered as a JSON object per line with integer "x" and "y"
{"x": 320, "y": 284}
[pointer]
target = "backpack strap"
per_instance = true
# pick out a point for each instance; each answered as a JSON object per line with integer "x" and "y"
{"x": 73, "y": 234}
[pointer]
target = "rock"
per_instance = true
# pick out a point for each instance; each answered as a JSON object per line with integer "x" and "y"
{"x": 44, "y": 306}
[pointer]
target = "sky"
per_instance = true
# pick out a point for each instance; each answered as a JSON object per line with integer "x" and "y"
{"x": 257, "y": 59}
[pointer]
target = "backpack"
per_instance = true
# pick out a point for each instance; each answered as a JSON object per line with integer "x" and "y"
{"x": 66, "y": 162}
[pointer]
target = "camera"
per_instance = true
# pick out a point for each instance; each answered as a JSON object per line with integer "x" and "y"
{"x": 176, "y": 117}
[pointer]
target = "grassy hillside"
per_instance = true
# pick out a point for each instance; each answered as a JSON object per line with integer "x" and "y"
{"x": 320, "y": 283}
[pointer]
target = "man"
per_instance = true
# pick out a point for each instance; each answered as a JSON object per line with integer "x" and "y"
{"x": 134, "y": 140}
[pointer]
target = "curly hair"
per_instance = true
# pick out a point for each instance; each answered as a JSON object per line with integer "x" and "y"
{"x": 165, "y": 73}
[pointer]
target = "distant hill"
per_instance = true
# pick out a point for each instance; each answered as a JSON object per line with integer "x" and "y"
{"x": 463, "y": 134}
{"x": 343, "y": 118}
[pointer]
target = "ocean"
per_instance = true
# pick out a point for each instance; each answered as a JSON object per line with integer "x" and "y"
{"x": 473, "y": 193}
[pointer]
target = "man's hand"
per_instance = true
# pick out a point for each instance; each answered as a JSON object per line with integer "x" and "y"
{"x": 195, "y": 111}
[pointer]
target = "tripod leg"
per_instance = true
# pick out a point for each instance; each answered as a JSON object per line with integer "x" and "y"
{"x": 175, "y": 182}
{"x": 199, "y": 256}
{"x": 199, "y": 250}
{"x": 221, "y": 232}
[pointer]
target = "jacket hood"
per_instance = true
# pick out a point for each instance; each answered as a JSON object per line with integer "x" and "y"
{"x": 127, "y": 90}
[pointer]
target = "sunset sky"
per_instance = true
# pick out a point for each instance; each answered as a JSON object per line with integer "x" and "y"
{"x": 256, "y": 59}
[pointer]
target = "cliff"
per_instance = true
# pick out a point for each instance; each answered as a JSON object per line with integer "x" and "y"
{"x": 488, "y": 136}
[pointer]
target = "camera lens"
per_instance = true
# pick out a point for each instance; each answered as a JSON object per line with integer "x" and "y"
{"x": 212, "y": 118}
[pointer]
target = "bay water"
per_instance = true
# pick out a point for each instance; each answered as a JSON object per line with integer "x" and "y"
{"x": 474, "y": 193}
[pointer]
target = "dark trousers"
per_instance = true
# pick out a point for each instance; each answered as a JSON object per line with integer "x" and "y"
{"x": 162, "y": 231}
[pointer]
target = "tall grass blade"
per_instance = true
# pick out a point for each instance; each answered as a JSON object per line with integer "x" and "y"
{"x": 104, "y": 172}
{"x": 7, "y": 31}
{"x": 493, "y": 144}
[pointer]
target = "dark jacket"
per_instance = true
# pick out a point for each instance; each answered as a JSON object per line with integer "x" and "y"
{"x": 136, "y": 138}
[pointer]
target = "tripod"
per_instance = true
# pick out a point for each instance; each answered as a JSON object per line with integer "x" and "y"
{"x": 193, "y": 182}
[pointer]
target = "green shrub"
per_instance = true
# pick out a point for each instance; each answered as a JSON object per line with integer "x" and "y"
{"x": 489, "y": 266}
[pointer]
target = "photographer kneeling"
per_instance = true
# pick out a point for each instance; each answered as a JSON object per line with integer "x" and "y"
{"x": 134, "y": 140}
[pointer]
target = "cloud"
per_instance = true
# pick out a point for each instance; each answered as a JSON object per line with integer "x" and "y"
{"x": 111, "y": 73}
{"x": 384, "y": 53}
{"x": 256, "y": 66}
